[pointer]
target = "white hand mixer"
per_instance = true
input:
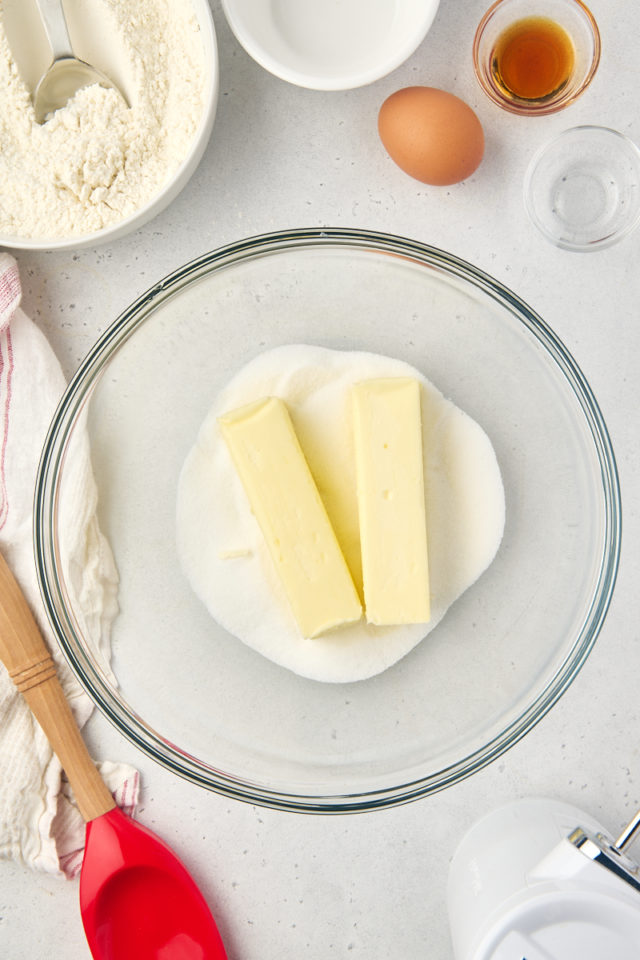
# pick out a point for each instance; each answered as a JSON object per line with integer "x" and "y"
{"x": 541, "y": 880}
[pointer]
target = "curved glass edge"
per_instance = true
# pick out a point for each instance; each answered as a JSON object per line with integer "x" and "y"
{"x": 109, "y": 702}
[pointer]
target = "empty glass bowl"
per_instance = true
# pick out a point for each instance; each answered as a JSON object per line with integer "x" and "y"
{"x": 560, "y": 44}
{"x": 582, "y": 189}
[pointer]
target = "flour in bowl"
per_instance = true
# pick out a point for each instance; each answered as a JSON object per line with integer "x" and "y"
{"x": 95, "y": 161}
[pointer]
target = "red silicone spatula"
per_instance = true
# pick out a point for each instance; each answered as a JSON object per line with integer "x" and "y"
{"x": 137, "y": 900}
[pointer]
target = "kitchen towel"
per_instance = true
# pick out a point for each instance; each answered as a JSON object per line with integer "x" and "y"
{"x": 39, "y": 822}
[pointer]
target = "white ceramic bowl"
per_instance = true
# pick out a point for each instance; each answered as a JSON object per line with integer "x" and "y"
{"x": 174, "y": 185}
{"x": 330, "y": 45}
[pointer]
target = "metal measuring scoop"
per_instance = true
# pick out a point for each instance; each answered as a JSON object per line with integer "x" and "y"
{"x": 66, "y": 74}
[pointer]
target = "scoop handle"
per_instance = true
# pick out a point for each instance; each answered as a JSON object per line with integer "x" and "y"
{"x": 31, "y": 667}
{"x": 55, "y": 24}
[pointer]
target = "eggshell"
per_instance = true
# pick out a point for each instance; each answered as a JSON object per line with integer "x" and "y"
{"x": 432, "y": 135}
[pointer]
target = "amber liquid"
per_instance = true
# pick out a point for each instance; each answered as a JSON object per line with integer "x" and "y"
{"x": 533, "y": 59}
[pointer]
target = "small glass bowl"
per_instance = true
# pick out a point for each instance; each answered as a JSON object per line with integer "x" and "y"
{"x": 582, "y": 189}
{"x": 573, "y": 16}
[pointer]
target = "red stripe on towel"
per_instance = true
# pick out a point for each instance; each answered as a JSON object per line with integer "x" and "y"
{"x": 5, "y": 392}
{"x": 10, "y": 295}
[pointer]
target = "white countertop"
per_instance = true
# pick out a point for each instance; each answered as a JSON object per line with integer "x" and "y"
{"x": 286, "y": 886}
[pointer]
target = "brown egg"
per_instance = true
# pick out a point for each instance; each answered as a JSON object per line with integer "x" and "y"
{"x": 432, "y": 135}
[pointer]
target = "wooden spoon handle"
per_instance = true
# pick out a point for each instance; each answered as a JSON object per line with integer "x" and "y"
{"x": 30, "y": 666}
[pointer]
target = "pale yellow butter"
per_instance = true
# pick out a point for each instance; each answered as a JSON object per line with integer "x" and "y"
{"x": 285, "y": 500}
{"x": 391, "y": 500}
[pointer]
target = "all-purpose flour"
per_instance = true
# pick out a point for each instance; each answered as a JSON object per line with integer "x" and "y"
{"x": 96, "y": 161}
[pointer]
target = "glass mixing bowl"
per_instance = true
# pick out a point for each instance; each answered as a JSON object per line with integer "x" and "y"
{"x": 201, "y": 702}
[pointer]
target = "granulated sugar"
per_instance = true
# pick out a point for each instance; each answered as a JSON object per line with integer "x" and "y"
{"x": 96, "y": 161}
{"x": 225, "y": 557}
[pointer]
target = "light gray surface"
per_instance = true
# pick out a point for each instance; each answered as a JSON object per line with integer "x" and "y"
{"x": 288, "y": 886}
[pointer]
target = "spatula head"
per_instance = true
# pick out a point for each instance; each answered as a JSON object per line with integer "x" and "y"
{"x": 138, "y": 901}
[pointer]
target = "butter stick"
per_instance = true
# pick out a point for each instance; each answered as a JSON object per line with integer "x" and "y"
{"x": 285, "y": 500}
{"x": 391, "y": 500}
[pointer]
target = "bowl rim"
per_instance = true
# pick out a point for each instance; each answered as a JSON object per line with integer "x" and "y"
{"x": 108, "y": 701}
{"x": 172, "y": 187}
{"x": 253, "y": 45}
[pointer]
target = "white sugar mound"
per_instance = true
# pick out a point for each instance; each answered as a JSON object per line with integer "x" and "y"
{"x": 221, "y": 547}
